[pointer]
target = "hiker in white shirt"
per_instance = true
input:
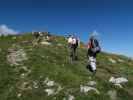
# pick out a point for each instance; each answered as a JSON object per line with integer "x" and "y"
{"x": 72, "y": 44}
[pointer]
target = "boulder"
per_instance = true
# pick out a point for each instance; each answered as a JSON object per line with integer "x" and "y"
{"x": 85, "y": 89}
{"x": 119, "y": 80}
{"x": 50, "y": 91}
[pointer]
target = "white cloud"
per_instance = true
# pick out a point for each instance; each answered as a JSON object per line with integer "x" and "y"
{"x": 4, "y": 29}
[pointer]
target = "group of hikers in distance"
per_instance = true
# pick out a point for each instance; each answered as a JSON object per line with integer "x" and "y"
{"x": 93, "y": 47}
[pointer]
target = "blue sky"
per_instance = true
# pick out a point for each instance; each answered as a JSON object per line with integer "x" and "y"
{"x": 112, "y": 19}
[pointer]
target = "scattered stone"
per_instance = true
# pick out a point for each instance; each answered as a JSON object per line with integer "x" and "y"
{"x": 48, "y": 82}
{"x": 35, "y": 84}
{"x": 51, "y": 84}
{"x": 71, "y": 97}
{"x": 58, "y": 89}
{"x": 19, "y": 95}
{"x": 91, "y": 83}
{"x": 23, "y": 75}
{"x": 15, "y": 57}
{"x": 25, "y": 86}
{"x": 35, "y": 42}
{"x": 50, "y": 91}
{"x": 85, "y": 89}
{"x": 112, "y": 60}
{"x": 118, "y": 81}
{"x": 112, "y": 94}
{"x": 59, "y": 44}
{"x": 45, "y": 43}
{"x": 118, "y": 85}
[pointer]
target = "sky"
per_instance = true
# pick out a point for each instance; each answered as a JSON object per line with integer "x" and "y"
{"x": 111, "y": 19}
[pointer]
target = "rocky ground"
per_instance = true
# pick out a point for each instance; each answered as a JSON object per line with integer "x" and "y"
{"x": 43, "y": 72}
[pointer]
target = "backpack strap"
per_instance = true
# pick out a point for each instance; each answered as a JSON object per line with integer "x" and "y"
{"x": 93, "y": 43}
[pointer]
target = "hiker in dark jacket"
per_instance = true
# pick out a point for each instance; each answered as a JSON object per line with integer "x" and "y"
{"x": 93, "y": 50}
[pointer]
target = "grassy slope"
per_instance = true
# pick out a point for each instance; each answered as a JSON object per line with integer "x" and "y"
{"x": 52, "y": 61}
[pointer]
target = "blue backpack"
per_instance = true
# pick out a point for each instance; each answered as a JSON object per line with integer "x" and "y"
{"x": 96, "y": 47}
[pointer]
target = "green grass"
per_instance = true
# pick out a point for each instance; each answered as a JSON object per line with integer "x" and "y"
{"x": 52, "y": 62}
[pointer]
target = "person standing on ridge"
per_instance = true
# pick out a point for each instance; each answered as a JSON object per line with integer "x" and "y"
{"x": 72, "y": 45}
{"x": 93, "y": 49}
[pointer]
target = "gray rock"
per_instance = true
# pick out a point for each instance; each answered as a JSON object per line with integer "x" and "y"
{"x": 19, "y": 95}
{"x": 71, "y": 97}
{"x": 118, "y": 80}
{"x": 85, "y": 89}
{"x": 50, "y": 91}
{"x": 49, "y": 82}
{"x": 91, "y": 83}
{"x": 45, "y": 43}
{"x": 118, "y": 85}
{"x": 15, "y": 57}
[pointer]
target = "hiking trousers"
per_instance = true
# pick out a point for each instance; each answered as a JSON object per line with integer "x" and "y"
{"x": 92, "y": 62}
{"x": 72, "y": 52}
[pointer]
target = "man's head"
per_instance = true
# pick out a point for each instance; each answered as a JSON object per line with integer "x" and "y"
{"x": 92, "y": 38}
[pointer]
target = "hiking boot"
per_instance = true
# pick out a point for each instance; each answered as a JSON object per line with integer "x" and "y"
{"x": 94, "y": 72}
{"x": 89, "y": 68}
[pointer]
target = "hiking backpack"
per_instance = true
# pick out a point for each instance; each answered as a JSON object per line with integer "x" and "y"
{"x": 95, "y": 46}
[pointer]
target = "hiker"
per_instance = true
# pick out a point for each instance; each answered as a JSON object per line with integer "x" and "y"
{"x": 93, "y": 50}
{"x": 72, "y": 45}
{"x": 37, "y": 36}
